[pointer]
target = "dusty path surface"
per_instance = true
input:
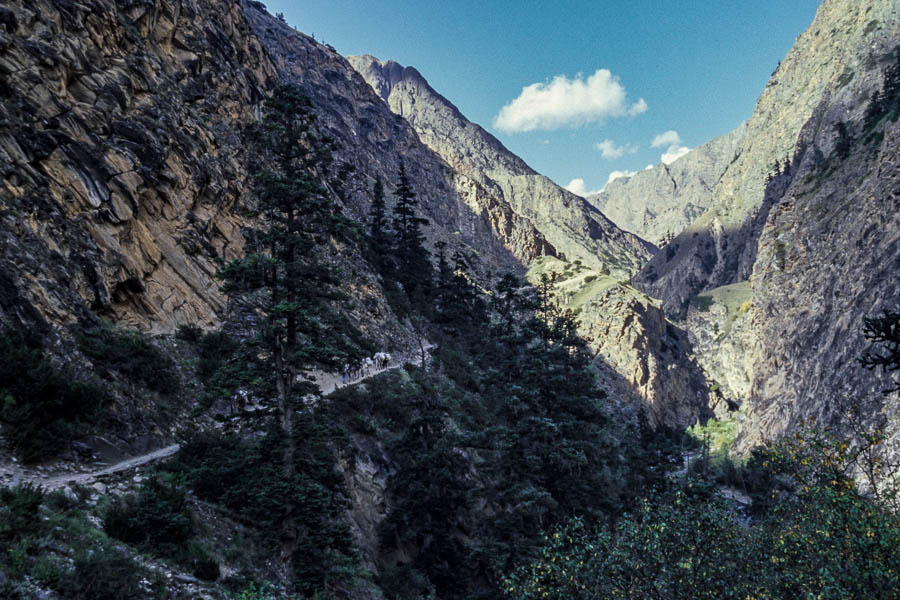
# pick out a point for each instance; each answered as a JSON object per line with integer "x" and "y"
{"x": 59, "y": 481}
{"x": 327, "y": 382}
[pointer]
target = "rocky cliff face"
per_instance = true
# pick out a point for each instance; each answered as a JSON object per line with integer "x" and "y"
{"x": 569, "y": 227}
{"x": 837, "y": 52}
{"x": 800, "y": 243}
{"x": 659, "y": 203}
{"x": 121, "y": 159}
{"x": 722, "y": 339}
{"x": 643, "y": 359}
{"x": 828, "y": 257}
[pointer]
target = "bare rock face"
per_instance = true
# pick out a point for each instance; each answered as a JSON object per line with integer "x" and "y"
{"x": 631, "y": 333}
{"x": 642, "y": 357}
{"x": 719, "y": 248}
{"x": 121, "y": 158}
{"x": 555, "y": 221}
{"x": 828, "y": 257}
{"x": 375, "y": 142}
{"x": 122, "y": 146}
{"x": 722, "y": 340}
{"x": 660, "y": 202}
{"x": 801, "y": 242}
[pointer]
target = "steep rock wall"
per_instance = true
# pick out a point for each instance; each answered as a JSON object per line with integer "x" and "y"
{"x": 828, "y": 257}
{"x": 122, "y": 147}
{"x": 121, "y": 157}
{"x": 838, "y": 50}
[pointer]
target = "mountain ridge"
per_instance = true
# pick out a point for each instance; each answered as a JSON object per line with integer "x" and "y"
{"x": 569, "y": 224}
{"x": 659, "y": 202}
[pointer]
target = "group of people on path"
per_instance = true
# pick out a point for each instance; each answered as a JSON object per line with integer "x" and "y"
{"x": 365, "y": 367}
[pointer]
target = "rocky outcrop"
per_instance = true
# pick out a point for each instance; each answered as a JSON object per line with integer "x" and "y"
{"x": 642, "y": 358}
{"x": 121, "y": 158}
{"x": 568, "y": 226}
{"x": 837, "y": 53}
{"x": 722, "y": 340}
{"x": 660, "y": 202}
{"x": 828, "y": 257}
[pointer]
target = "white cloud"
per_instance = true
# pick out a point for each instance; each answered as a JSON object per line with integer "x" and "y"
{"x": 674, "y": 153}
{"x": 567, "y": 102}
{"x": 648, "y": 167}
{"x": 672, "y": 141}
{"x": 618, "y": 175}
{"x": 669, "y": 138}
{"x": 610, "y": 151}
{"x": 577, "y": 187}
{"x": 637, "y": 108}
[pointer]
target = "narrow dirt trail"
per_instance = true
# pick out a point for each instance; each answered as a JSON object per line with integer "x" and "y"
{"x": 327, "y": 382}
{"x": 59, "y": 481}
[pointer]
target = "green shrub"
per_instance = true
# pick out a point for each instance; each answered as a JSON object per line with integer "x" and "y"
{"x": 101, "y": 574}
{"x": 255, "y": 591}
{"x": 189, "y": 333}
{"x": 215, "y": 349}
{"x": 131, "y": 354}
{"x": 43, "y": 407}
{"x": 687, "y": 546}
{"x": 19, "y": 508}
{"x": 156, "y": 519}
{"x": 249, "y": 478}
{"x": 703, "y": 303}
{"x": 200, "y": 560}
{"x": 48, "y": 570}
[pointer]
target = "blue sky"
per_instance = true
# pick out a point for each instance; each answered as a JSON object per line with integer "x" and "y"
{"x": 605, "y": 79}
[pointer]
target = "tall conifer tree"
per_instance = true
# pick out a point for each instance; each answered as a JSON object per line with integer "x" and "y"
{"x": 379, "y": 232}
{"x": 414, "y": 265}
{"x": 285, "y": 275}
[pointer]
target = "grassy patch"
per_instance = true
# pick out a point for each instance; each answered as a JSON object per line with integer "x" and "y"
{"x": 577, "y": 284}
{"x": 720, "y": 435}
{"x": 732, "y": 297}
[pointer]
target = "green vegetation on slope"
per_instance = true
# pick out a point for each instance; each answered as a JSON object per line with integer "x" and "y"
{"x": 43, "y": 407}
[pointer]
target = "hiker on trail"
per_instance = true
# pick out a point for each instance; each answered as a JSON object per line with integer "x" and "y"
{"x": 368, "y": 364}
{"x": 345, "y": 374}
{"x": 385, "y": 360}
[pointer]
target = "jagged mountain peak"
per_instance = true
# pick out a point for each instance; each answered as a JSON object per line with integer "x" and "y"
{"x": 388, "y": 77}
{"x": 386, "y": 73}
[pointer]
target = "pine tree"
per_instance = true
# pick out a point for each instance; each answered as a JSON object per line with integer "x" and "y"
{"x": 413, "y": 260}
{"x": 285, "y": 275}
{"x": 459, "y": 306}
{"x": 379, "y": 233}
{"x": 884, "y": 330}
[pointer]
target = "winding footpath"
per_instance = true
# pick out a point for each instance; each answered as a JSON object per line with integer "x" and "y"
{"x": 327, "y": 382}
